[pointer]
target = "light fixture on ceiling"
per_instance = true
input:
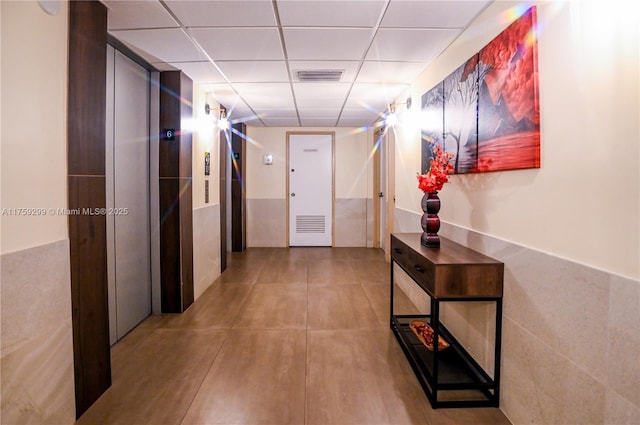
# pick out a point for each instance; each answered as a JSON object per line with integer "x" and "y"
{"x": 391, "y": 119}
{"x": 223, "y": 121}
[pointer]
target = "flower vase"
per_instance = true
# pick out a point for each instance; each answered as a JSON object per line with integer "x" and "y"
{"x": 430, "y": 222}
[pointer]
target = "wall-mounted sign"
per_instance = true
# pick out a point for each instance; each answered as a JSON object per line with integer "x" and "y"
{"x": 169, "y": 134}
{"x": 207, "y": 163}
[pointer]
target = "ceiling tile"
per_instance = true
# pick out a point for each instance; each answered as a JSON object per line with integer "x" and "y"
{"x": 277, "y": 113}
{"x": 137, "y": 14}
{"x": 416, "y": 45}
{"x": 354, "y": 123}
{"x": 254, "y": 71}
{"x": 390, "y": 72}
{"x": 330, "y": 14}
{"x": 431, "y": 14}
{"x": 281, "y": 122}
{"x": 326, "y": 44}
{"x": 254, "y": 13}
{"x": 243, "y": 115}
{"x": 315, "y": 103}
{"x": 349, "y": 68}
{"x": 359, "y": 114}
{"x": 269, "y": 96}
{"x": 225, "y": 95}
{"x": 306, "y": 114}
{"x": 323, "y": 90}
{"x": 239, "y": 43}
{"x": 167, "y": 44}
{"x": 374, "y": 96}
{"x": 318, "y": 122}
{"x": 202, "y": 72}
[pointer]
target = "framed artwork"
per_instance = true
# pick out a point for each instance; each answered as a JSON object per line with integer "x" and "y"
{"x": 487, "y": 112}
{"x": 461, "y": 116}
{"x": 509, "y": 107}
{"x": 433, "y": 125}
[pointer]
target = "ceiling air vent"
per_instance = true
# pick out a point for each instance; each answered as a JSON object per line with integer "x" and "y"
{"x": 319, "y": 75}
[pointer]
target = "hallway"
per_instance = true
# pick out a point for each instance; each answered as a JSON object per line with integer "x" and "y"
{"x": 283, "y": 336}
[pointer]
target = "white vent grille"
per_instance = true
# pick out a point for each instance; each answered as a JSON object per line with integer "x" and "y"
{"x": 310, "y": 224}
{"x": 319, "y": 75}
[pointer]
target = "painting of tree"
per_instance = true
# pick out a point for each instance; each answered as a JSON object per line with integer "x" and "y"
{"x": 432, "y": 125}
{"x": 460, "y": 116}
{"x": 509, "y": 108}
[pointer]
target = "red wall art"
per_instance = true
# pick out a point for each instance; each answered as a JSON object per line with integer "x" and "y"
{"x": 490, "y": 105}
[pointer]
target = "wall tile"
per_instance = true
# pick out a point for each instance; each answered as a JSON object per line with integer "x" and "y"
{"x": 350, "y": 222}
{"x": 266, "y": 222}
{"x": 542, "y": 386}
{"x": 571, "y": 334}
{"x": 206, "y": 247}
{"x": 36, "y": 296}
{"x": 619, "y": 411}
{"x": 623, "y": 373}
{"x": 37, "y": 381}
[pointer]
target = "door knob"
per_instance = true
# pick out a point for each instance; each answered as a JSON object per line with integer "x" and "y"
{"x": 293, "y": 195}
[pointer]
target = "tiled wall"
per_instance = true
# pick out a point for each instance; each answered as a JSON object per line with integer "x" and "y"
{"x": 571, "y": 334}
{"x": 206, "y": 247}
{"x": 266, "y": 222}
{"x": 37, "y": 345}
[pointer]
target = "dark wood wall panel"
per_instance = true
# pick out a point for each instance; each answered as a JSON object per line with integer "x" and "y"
{"x": 224, "y": 152}
{"x": 176, "y": 203}
{"x": 238, "y": 195}
{"x": 90, "y": 310}
{"x": 170, "y": 109}
{"x": 186, "y": 230}
{"x": 87, "y": 87}
{"x": 170, "y": 245}
{"x": 86, "y": 184}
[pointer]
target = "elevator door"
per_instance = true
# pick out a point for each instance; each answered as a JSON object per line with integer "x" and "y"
{"x": 127, "y": 170}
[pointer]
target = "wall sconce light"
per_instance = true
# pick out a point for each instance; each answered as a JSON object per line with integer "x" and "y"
{"x": 223, "y": 121}
{"x": 392, "y": 119}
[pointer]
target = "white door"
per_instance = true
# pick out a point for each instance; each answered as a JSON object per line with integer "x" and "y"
{"x": 310, "y": 189}
{"x": 127, "y": 166}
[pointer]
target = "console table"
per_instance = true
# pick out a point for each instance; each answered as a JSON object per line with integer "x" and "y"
{"x": 453, "y": 272}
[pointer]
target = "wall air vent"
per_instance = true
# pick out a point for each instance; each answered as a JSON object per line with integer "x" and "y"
{"x": 319, "y": 75}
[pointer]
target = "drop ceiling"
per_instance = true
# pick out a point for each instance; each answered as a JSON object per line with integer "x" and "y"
{"x": 247, "y": 53}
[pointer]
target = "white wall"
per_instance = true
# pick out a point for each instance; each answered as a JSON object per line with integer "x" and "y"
{"x": 266, "y": 184}
{"x": 36, "y": 339}
{"x": 206, "y": 216}
{"x": 583, "y": 203}
{"x": 567, "y": 232}
{"x": 34, "y": 118}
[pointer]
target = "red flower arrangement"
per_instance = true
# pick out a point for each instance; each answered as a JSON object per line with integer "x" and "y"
{"x": 438, "y": 173}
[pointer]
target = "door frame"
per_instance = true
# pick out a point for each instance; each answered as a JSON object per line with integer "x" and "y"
{"x": 333, "y": 180}
{"x": 377, "y": 135}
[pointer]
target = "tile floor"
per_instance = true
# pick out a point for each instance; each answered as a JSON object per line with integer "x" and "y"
{"x": 284, "y": 336}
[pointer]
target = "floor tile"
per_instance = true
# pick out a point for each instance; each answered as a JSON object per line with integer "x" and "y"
{"x": 258, "y": 378}
{"x": 218, "y": 307}
{"x": 331, "y": 272}
{"x": 379, "y": 296}
{"x": 340, "y": 307}
{"x": 283, "y": 271}
{"x": 274, "y": 307}
{"x": 371, "y": 271}
{"x": 360, "y": 377}
{"x": 284, "y": 336}
{"x": 156, "y": 383}
{"x": 239, "y": 273}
